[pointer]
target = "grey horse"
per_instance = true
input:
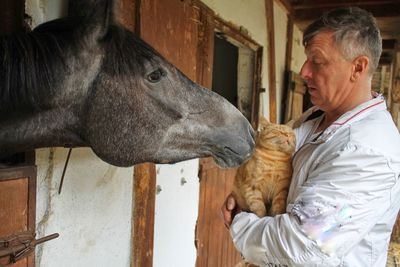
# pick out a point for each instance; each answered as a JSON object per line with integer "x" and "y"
{"x": 86, "y": 81}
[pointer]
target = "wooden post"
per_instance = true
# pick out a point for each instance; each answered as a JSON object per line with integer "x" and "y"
{"x": 12, "y": 16}
{"x": 143, "y": 215}
{"x": 269, "y": 12}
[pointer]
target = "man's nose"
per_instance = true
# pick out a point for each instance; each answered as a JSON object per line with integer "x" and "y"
{"x": 305, "y": 71}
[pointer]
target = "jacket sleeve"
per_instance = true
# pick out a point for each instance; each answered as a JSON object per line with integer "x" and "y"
{"x": 342, "y": 199}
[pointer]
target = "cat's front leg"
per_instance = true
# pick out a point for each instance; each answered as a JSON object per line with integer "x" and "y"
{"x": 279, "y": 203}
{"x": 256, "y": 204}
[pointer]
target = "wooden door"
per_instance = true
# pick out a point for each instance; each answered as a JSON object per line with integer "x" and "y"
{"x": 17, "y": 208}
{"x": 214, "y": 244}
{"x": 171, "y": 27}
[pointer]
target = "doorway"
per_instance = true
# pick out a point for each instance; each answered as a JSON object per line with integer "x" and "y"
{"x": 233, "y": 72}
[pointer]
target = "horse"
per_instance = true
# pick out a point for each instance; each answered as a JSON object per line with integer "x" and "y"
{"x": 89, "y": 82}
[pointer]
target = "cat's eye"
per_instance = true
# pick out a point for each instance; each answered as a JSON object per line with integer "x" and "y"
{"x": 156, "y": 75}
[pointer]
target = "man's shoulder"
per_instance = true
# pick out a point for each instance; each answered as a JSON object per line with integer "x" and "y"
{"x": 376, "y": 131}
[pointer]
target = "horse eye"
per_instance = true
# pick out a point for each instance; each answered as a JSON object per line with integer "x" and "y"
{"x": 155, "y": 76}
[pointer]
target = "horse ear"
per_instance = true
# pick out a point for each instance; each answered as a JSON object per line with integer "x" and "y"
{"x": 97, "y": 22}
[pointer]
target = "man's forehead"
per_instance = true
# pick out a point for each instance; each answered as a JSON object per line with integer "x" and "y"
{"x": 320, "y": 42}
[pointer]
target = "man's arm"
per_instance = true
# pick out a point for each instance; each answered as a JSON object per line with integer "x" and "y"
{"x": 340, "y": 202}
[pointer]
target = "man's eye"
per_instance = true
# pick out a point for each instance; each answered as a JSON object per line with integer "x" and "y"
{"x": 155, "y": 76}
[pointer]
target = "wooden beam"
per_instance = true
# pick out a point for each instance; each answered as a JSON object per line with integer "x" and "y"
{"x": 144, "y": 187}
{"x": 312, "y": 4}
{"x": 289, "y": 43}
{"x": 286, "y": 4}
{"x": 269, "y": 12}
{"x": 389, "y": 44}
{"x": 313, "y": 12}
{"x": 12, "y": 16}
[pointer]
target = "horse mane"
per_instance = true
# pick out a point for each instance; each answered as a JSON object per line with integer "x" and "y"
{"x": 126, "y": 53}
{"x": 28, "y": 68}
{"x": 33, "y": 63}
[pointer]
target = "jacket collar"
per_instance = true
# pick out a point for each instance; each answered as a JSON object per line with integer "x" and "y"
{"x": 356, "y": 114}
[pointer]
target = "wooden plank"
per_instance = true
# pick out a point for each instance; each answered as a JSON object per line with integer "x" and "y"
{"x": 379, "y": 11}
{"x": 205, "y": 57}
{"x": 125, "y": 13}
{"x": 311, "y": 4}
{"x": 214, "y": 244}
{"x": 144, "y": 187}
{"x": 12, "y": 16}
{"x": 255, "y": 103}
{"x": 171, "y": 27}
{"x": 18, "y": 206}
{"x": 269, "y": 12}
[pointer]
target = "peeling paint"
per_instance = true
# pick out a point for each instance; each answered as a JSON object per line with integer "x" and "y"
{"x": 107, "y": 177}
{"x": 158, "y": 189}
{"x": 183, "y": 181}
{"x": 47, "y": 184}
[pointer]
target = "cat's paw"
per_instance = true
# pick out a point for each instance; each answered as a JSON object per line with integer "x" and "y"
{"x": 259, "y": 209}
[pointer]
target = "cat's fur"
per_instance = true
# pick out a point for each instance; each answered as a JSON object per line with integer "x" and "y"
{"x": 262, "y": 183}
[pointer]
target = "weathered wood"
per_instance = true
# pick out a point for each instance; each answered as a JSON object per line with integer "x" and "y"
{"x": 269, "y": 13}
{"x": 12, "y": 16}
{"x": 213, "y": 242}
{"x": 18, "y": 206}
{"x": 143, "y": 215}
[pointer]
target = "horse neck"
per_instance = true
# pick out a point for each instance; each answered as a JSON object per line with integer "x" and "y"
{"x": 41, "y": 129}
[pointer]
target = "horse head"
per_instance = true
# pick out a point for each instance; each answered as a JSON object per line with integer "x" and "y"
{"x": 111, "y": 91}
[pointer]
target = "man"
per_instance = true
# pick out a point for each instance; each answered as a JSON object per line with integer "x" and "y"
{"x": 345, "y": 191}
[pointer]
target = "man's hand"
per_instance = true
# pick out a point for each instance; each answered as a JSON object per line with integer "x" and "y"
{"x": 229, "y": 209}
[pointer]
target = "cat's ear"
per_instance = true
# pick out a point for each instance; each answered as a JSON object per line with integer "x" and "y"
{"x": 291, "y": 123}
{"x": 263, "y": 122}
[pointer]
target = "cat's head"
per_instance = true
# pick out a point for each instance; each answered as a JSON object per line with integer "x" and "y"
{"x": 277, "y": 137}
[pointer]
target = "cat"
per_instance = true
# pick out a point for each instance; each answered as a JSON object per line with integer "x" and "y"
{"x": 261, "y": 184}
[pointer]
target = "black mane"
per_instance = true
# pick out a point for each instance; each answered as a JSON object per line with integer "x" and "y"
{"x": 32, "y": 63}
{"x": 28, "y": 68}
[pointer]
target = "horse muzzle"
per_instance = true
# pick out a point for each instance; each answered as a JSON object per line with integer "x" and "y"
{"x": 232, "y": 149}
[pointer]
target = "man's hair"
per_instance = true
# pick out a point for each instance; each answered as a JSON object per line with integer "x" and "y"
{"x": 355, "y": 32}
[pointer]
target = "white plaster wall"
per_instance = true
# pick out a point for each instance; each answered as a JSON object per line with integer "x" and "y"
{"x": 93, "y": 213}
{"x": 177, "y": 203}
{"x": 298, "y": 56}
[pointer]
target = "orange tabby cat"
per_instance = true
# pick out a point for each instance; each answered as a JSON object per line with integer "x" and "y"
{"x": 262, "y": 183}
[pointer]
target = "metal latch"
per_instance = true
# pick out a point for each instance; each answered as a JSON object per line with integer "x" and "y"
{"x": 19, "y": 246}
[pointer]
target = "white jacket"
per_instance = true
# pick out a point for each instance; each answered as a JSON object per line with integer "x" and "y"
{"x": 343, "y": 199}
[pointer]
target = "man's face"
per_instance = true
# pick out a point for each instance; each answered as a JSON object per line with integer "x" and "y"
{"x": 326, "y": 72}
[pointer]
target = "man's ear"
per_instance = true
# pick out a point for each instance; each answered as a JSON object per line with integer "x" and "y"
{"x": 360, "y": 67}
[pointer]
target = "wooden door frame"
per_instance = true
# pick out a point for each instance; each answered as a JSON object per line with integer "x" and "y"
{"x": 238, "y": 35}
{"x": 25, "y": 172}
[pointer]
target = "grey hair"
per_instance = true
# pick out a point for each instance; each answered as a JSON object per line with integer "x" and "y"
{"x": 355, "y": 32}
